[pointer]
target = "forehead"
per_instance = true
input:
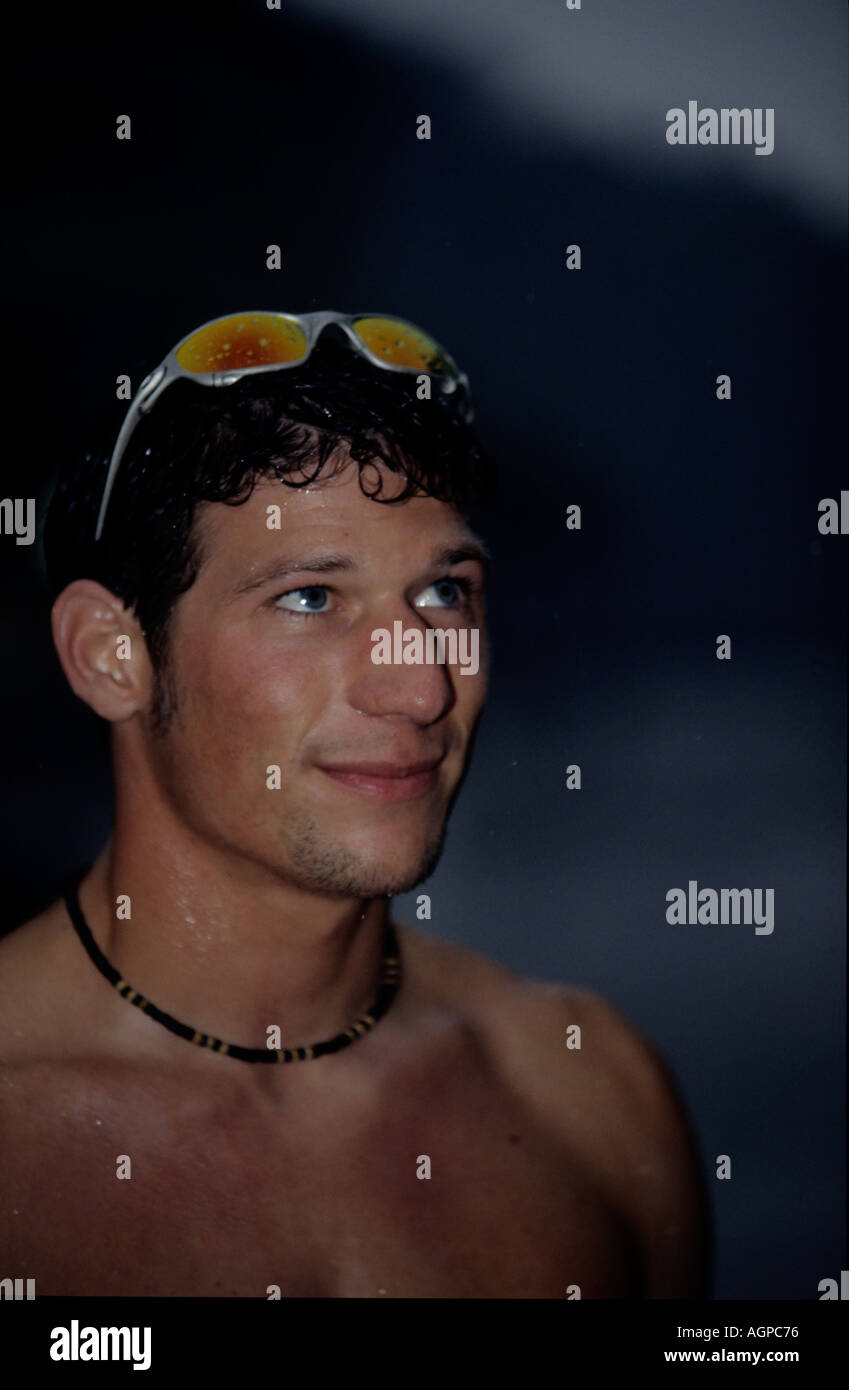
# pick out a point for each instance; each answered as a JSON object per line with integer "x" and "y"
{"x": 333, "y": 508}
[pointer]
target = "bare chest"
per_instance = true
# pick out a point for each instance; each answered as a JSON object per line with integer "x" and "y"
{"x": 434, "y": 1191}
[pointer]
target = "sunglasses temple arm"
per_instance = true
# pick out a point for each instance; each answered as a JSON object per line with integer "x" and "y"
{"x": 141, "y": 404}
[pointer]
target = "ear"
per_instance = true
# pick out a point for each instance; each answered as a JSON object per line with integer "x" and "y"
{"x": 102, "y": 650}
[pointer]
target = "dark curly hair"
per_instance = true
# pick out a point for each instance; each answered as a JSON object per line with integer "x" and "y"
{"x": 202, "y": 444}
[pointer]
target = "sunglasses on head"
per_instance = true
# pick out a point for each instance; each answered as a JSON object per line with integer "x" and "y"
{"x": 224, "y": 350}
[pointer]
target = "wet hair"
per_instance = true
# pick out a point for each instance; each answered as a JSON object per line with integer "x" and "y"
{"x": 214, "y": 444}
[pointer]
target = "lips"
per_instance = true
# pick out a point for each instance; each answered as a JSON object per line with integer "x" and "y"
{"x": 383, "y": 769}
{"x": 387, "y": 780}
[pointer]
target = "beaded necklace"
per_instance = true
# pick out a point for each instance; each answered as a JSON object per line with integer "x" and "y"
{"x": 389, "y": 983}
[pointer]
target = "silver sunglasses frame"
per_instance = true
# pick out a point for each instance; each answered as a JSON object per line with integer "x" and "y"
{"x": 313, "y": 325}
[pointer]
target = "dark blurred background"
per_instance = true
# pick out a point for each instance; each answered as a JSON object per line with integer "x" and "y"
{"x": 597, "y": 387}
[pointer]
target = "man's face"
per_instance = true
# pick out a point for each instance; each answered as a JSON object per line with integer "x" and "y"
{"x": 271, "y": 665}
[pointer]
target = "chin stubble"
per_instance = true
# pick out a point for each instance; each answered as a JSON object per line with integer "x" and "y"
{"x": 321, "y": 864}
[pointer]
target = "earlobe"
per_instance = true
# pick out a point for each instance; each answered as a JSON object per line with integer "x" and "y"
{"x": 102, "y": 650}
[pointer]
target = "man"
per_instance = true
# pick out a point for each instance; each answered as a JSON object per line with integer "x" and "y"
{"x": 274, "y": 786}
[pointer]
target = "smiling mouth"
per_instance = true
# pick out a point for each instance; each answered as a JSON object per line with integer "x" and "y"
{"x": 389, "y": 781}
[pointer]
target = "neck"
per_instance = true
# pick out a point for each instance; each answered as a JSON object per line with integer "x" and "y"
{"x": 226, "y": 945}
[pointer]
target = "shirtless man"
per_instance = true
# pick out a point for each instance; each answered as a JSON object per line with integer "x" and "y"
{"x": 459, "y": 1148}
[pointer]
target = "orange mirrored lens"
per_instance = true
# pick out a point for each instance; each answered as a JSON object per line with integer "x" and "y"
{"x": 243, "y": 340}
{"x": 401, "y": 345}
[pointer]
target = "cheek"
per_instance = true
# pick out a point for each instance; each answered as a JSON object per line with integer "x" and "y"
{"x": 244, "y": 707}
{"x": 471, "y": 688}
{"x": 238, "y": 690}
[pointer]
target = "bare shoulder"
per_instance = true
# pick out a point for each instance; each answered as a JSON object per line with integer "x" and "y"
{"x": 27, "y": 939}
{"x": 597, "y": 1084}
{"x": 41, "y": 980}
{"x": 534, "y": 1020}
{"x": 543, "y": 1035}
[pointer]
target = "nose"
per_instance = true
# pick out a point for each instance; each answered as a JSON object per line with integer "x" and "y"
{"x": 418, "y": 691}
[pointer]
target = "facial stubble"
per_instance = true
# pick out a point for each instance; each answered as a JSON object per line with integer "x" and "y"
{"x": 315, "y": 861}
{"x": 321, "y": 864}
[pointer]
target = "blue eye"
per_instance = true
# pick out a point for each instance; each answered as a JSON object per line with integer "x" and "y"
{"x": 449, "y": 592}
{"x": 310, "y": 599}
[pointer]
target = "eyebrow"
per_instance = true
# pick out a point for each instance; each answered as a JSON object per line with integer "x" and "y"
{"x": 465, "y": 550}
{"x": 334, "y": 563}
